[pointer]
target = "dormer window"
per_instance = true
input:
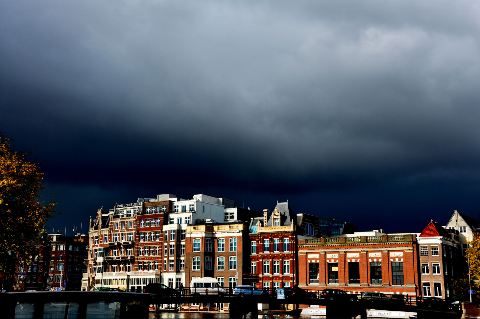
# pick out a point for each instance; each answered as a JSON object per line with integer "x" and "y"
{"x": 276, "y": 221}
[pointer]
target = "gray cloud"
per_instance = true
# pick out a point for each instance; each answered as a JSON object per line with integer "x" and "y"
{"x": 271, "y": 96}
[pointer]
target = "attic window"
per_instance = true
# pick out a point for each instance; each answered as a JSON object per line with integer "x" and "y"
{"x": 463, "y": 229}
{"x": 276, "y": 221}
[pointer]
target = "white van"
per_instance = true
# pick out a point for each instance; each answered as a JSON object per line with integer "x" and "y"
{"x": 206, "y": 286}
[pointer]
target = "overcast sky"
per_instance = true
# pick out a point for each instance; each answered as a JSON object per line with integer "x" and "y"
{"x": 362, "y": 110}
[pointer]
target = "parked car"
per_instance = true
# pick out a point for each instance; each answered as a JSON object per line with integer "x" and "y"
{"x": 106, "y": 289}
{"x": 248, "y": 290}
{"x": 299, "y": 293}
{"x": 374, "y": 296}
{"x": 161, "y": 289}
{"x": 398, "y": 299}
{"x": 337, "y": 295}
{"x": 206, "y": 286}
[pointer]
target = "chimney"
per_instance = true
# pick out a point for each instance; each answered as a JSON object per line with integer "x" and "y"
{"x": 265, "y": 217}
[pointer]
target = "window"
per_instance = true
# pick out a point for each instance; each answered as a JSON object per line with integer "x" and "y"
{"x": 208, "y": 263}
{"x": 171, "y": 265}
{"x": 286, "y": 267}
{"x": 221, "y": 263}
{"x": 183, "y": 234}
{"x": 276, "y": 266}
{"x": 196, "y": 263}
{"x": 266, "y": 285}
{"x": 232, "y": 282}
{"x": 276, "y": 221}
{"x": 170, "y": 282}
{"x": 437, "y": 289}
{"x": 276, "y": 244}
{"x": 266, "y": 266}
{"x": 286, "y": 244}
{"x": 221, "y": 281}
{"x": 434, "y": 250}
{"x": 426, "y": 289}
{"x": 253, "y": 267}
{"x": 221, "y": 245}
{"x": 333, "y": 273}
{"x": 254, "y": 247}
{"x": 172, "y": 249}
{"x": 313, "y": 273}
{"x": 208, "y": 245}
{"x": 182, "y": 264}
{"x": 172, "y": 235}
{"x": 266, "y": 245}
{"x": 187, "y": 220}
{"x": 233, "y": 244}
{"x": 178, "y": 282}
{"x": 463, "y": 229}
{"x": 179, "y": 220}
{"x": 184, "y": 208}
{"x": 196, "y": 245}
{"x": 425, "y": 269}
{"x": 182, "y": 249}
{"x": 436, "y": 269}
{"x": 423, "y": 250}
{"x": 376, "y": 273}
{"x": 353, "y": 273}
{"x": 232, "y": 262}
{"x": 397, "y": 273}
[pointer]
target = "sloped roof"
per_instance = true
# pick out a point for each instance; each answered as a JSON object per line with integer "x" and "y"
{"x": 470, "y": 221}
{"x": 433, "y": 230}
{"x": 286, "y": 215}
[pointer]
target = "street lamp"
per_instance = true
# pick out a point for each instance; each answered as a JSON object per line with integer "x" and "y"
{"x": 469, "y": 282}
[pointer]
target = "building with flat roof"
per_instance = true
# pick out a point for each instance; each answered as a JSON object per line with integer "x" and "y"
{"x": 360, "y": 262}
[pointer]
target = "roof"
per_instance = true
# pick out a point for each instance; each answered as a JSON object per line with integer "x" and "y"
{"x": 286, "y": 214}
{"x": 433, "y": 230}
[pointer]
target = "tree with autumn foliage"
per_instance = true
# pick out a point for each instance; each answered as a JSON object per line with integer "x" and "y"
{"x": 22, "y": 215}
{"x": 473, "y": 260}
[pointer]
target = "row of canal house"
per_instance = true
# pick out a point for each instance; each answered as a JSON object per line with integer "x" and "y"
{"x": 162, "y": 240}
{"x": 170, "y": 241}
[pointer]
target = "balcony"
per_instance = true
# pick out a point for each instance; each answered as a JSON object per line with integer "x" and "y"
{"x": 119, "y": 258}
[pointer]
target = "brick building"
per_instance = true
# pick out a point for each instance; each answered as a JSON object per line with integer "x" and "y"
{"x": 132, "y": 245}
{"x": 57, "y": 264}
{"x": 219, "y": 251}
{"x": 360, "y": 262}
{"x": 125, "y": 244}
{"x": 441, "y": 260}
{"x": 200, "y": 209}
{"x": 33, "y": 274}
{"x": 273, "y": 253}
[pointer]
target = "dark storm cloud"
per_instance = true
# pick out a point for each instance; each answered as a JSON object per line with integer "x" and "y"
{"x": 275, "y": 97}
